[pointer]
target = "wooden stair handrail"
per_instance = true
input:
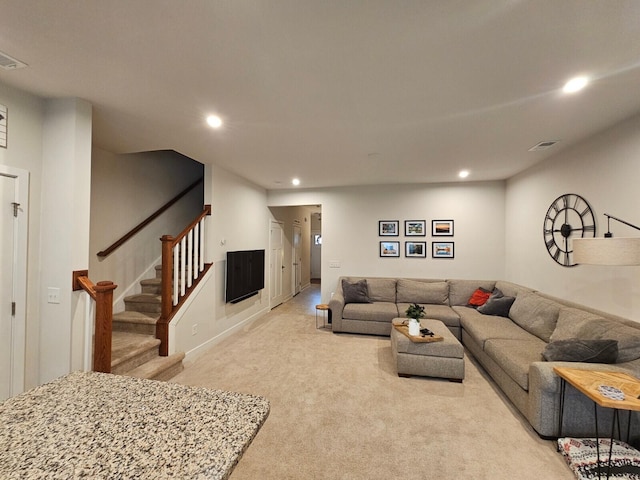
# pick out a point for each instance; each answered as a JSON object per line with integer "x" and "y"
{"x": 102, "y": 293}
{"x": 110, "y": 249}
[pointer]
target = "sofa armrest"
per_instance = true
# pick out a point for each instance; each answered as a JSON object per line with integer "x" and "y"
{"x": 336, "y": 305}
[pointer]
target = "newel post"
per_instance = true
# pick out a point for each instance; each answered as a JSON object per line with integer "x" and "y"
{"x": 104, "y": 319}
{"x": 162, "y": 326}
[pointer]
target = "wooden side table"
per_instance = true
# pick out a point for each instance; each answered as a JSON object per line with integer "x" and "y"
{"x": 324, "y": 308}
{"x": 587, "y": 382}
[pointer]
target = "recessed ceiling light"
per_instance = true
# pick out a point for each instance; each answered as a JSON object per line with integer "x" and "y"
{"x": 214, "y": 121}
{"x": 463, "y": 173}
{"x": 575, "y": 84}
{"x": 295, "y": 181}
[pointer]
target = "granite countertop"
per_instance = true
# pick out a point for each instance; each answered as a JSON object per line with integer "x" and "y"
{"x": 103, "y": 426}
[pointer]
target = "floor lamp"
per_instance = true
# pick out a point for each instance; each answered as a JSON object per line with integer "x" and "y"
{"x": 608, "y": 250}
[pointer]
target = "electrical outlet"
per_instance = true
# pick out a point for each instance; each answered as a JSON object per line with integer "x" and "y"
{"x": 334, "y": 264}
{"x": 194, "y": 329}
{"x": 53, "y": 295}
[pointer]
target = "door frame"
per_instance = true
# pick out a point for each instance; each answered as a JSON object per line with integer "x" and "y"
{"x": 18, "y": 341}
{"x": 296, "y": 259}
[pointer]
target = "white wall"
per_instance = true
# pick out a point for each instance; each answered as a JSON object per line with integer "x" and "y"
{"x": 605, "y": 170}
{"x": 24, "y": 151}
{"x": 239, "y": 221}
{"x": 64, "y": 232}
{"x": 125, "y": 190}
{"x": 350, "y": 228}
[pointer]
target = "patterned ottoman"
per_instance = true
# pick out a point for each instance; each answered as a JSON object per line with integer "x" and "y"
{"x": 443, "y": 359}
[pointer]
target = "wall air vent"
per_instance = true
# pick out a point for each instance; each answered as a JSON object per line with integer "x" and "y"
{"x": 543, "y": 145}
{"x": 9, "y": 63}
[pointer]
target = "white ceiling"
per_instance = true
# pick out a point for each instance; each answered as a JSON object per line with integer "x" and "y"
{"x": 337, "y": 92}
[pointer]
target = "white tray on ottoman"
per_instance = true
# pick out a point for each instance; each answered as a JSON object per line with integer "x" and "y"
{"x": 442, "y": 359}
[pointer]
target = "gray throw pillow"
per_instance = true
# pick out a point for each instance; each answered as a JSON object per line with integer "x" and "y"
{"x": 577, "y": 350}
{"x": 497, "y": 304}
{"x": 357, "y": 292}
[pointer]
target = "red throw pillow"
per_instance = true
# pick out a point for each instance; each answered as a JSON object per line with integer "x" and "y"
{"x": 479, "y": 297}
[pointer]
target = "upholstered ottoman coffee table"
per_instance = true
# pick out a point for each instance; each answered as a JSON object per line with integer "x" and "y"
{"x": 442, "y": 359}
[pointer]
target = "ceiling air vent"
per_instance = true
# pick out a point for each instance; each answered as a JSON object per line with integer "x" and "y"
{"x": 543, "y": 145}
{"x": 9, "y": 63}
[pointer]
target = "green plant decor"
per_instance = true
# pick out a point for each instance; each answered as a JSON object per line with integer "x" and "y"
{"x": 415, "y": 311}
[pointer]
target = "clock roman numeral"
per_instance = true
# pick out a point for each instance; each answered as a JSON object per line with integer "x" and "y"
{"x": 589, "y": 228}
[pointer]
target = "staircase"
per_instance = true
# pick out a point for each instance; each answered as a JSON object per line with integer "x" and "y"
{"x": 134, "y": 348}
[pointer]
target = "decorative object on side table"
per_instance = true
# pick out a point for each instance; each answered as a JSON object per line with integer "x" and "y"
{"x": 415, "y": 312}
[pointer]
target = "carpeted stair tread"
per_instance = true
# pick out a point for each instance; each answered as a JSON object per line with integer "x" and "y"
{"x": 130, "y": 350}
{"x": 159, "y": 368}
{"x": 143, "y": 302}
{"x": 131, "y": 316}
{"x": 151, "y": 285}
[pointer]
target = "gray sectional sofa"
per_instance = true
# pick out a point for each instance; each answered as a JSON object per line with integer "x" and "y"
{"x": 510, "y": 346}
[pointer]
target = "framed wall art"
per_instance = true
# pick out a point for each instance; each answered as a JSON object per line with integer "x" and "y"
{"x": 415, "y": 228}
{"x": 389, "y": 249}
{"x": 442, "y": 250}
{"x": 415, "y": 249}
{"x": 388, "y": 228}
{"x": 442, "y": 228}
{"x": 3, "y": 126}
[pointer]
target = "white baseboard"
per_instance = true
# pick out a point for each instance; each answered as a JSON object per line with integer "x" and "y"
{"x": 195, "y": 353}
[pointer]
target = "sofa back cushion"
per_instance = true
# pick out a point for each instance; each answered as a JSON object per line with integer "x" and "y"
{"x": 536, "y": 314}
{"x": 460, "y": 291}
{"x": 510, "y": 289}
{"x": 355, "y": 292}
{"x": 570, "y": 322}
{"x": 382, "y": 289}
{"x": 574, "y": 323}
{"x": 413, "y": 291}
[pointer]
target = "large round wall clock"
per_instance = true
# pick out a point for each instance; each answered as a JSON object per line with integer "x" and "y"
{"x": 569, "y": 216}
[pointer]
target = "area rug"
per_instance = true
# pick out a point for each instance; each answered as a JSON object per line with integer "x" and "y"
{"x": 581, "y": 456}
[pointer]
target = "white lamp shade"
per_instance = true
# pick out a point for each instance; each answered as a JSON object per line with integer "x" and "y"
{"x": 606, "y": 251}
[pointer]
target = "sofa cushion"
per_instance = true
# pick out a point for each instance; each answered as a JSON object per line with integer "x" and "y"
{"x": 570, "y": 321}
{"x": 461, "y": 290}
{"x": 577, "y": 350}
{"x": 515, "y": 356}
{"x": 376, "y": 311}
{"x": 382, "y": 289}
{"x": 574, "y": 323}
{"x": 355, "y": 292}
{"x": 444, "y": 313}
{"x": 512, "y": 289}
{"x": 497, "y": 304}
{"x": 535, "y": 314}
{"x": 484, "y": 327}
{"x": 413, "y": 291}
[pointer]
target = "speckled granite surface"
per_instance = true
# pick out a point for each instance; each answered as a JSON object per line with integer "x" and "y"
{"x": 101, "y": 426}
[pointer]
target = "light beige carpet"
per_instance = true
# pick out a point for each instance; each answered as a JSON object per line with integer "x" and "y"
{"x": 339, "y": 410}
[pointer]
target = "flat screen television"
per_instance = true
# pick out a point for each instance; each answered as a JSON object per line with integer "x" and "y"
{"x": 244, "y": 275}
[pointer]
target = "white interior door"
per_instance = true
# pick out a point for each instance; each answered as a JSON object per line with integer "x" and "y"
{"x": 14, "y": 198}
{"x": 316, "y": 253}
{"x": 276, "y": 264}
{"x": 7, "y": 193}
{"x": 296, "y": 256}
